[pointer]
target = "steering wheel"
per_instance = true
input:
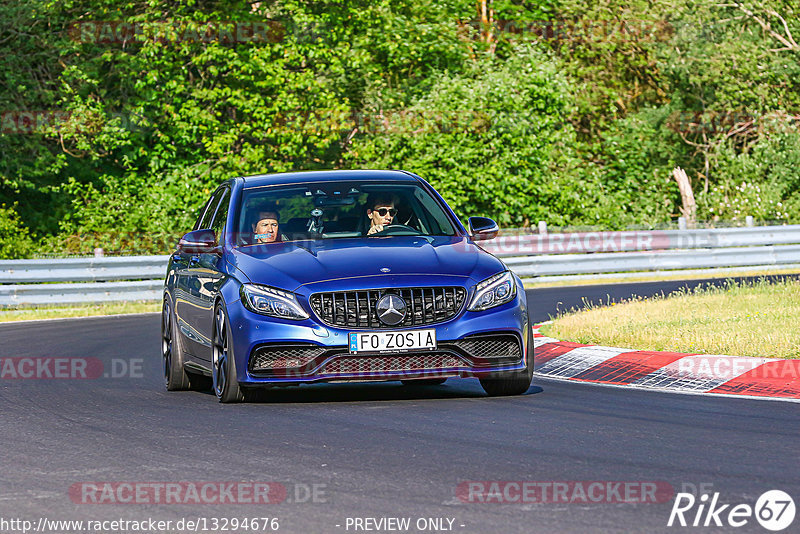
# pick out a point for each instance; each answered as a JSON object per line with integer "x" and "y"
{"x": 392, "y": 229}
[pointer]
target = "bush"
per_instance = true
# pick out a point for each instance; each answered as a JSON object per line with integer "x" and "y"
{"x": 124, "y": 215}
{"x": 15, "y": 240}
{"x": 491, "y": 140}
{"x": 634, "y": 160}
{"x": 761, "y": 181}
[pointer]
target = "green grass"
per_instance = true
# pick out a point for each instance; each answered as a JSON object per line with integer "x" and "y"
{"x": 88, "y": 310}
{"x": 749, "y": 319}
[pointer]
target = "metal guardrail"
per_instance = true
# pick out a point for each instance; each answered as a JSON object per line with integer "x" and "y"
{"x": 630, "y": 241}
{"x": 578, "y": 255}
{"x": 123, "y": 278}
{"x": 80, "y": 293}
{"x": 562, "y": 264}
{"x": 83, "y": 269}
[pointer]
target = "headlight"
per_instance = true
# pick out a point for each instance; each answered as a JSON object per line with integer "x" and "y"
{"x": 493, "y": 291}
{"x": 271, "y": 301}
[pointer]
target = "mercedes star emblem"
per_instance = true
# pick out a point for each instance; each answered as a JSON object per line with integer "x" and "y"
{"x": 391, "y": 310}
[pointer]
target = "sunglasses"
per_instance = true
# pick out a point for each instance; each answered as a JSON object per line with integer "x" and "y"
{"x": 383, "y": 211}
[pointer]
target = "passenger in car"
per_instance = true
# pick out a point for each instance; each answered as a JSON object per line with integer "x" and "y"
{"x": 266, "y": 229}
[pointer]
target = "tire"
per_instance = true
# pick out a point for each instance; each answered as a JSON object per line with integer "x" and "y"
{"x": 515, "y": 383}
{"x": 223, "y": 364}
{"x": 424, "y": 382}
{"x": 175, "y": 377}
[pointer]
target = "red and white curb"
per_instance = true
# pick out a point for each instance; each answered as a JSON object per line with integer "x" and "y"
{"x": 714, "y": 374}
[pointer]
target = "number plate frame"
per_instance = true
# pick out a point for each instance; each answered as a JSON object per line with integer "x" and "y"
{"x": 356, "y": 341}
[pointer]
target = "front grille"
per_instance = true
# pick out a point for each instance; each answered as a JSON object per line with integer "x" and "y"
{"x": 271, "y": 357}
{"x": 356, "y": 309}
{"x": 493, "y": 346}
{"x": 386, "y": 364}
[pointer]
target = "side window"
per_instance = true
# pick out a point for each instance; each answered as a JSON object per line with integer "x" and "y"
{"x": 435, "y": 214}
{"x": 205, "y": 222}
{"x": 222, "y": 214}
{"x": 201, "y": 213}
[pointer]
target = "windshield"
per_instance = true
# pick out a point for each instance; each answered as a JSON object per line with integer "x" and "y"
{"x": 332, "y": 210}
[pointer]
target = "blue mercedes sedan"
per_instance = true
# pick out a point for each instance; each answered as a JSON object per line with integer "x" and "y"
{"x": 323, "y": 276}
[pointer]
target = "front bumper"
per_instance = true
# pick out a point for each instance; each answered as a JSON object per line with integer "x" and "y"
{"x": 472, "y": 344}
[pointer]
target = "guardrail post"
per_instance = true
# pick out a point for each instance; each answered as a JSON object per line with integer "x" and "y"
{"x": 748, "y": 221}
{"x": 681, "y": 223}
{"x": 542, "y": 228}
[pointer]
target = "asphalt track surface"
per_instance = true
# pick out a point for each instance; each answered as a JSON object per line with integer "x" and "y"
{"x": 379, "y": 450}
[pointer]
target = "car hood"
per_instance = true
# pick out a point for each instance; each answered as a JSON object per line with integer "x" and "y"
{"x": 294, "y": 264}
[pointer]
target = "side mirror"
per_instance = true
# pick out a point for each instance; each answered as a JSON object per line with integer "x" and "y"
{"x": 482, "y": 228}
{"x": 199, "y": 242}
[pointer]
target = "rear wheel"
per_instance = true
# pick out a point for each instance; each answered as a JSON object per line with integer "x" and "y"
{"x": 175, "y": 377}
{"x": 223, "y": 364}
{"x": 515, "y": 383}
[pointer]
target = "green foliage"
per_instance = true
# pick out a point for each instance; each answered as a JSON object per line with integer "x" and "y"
{"x": 557, "y": 110}
{"x": 491, "y": 139}
{"x": 155, "y": 124}
{"x": 29, "y": 68}
{"x": 635, "y": 158}
{"x": 15, "y": 241}
{"x": 762, "y": 182}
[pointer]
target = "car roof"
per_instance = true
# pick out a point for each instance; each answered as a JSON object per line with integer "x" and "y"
{"x": 260, "y": 180}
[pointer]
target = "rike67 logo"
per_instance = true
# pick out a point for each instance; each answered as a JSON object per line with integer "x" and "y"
{"x": 774, "y": 510}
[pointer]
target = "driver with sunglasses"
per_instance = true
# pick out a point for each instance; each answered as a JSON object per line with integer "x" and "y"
{"x": 380, "y": 212}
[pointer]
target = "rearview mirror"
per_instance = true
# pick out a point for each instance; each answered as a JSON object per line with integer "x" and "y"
{"x": 330, "y": 202}
{"x": 199, "y": 242}
{"x": 482, "y": 228}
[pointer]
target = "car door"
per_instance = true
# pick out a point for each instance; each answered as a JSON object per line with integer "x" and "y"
{"x": 206, "y": 275}
{"x": 188, "y": 308}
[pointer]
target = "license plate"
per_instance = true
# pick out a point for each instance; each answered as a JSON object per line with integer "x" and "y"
{"x": 399, "y": 341}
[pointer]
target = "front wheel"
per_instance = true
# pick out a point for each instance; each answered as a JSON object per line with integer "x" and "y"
{"x": 515, "y": 383}
{"x": 223, "y": 365}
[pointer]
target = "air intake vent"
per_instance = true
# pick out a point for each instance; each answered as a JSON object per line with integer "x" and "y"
{"x": 357, "y": 309}
{"x": 269, "y": 358}
{"x": 390, "y": 364}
